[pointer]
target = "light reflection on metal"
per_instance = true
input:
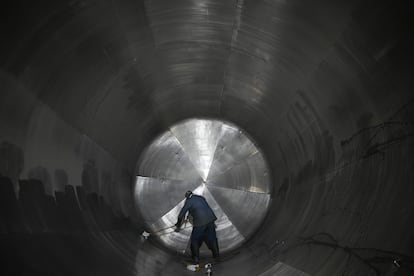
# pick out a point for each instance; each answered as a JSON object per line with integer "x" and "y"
{"x": 152, "y": 193}
{"x": 213, "y": 159}
{"x": 250, "y": 174}
{"x": 243, "y": 217}
{"x": 199, "y": 139}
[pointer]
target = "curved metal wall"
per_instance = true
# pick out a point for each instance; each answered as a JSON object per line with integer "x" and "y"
{"x": 323, "y": 87}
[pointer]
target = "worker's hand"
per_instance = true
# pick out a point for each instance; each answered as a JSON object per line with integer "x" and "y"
{"x": 177, "y": 226}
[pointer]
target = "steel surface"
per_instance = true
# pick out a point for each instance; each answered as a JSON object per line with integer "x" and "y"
{"x": 215, "y": 160}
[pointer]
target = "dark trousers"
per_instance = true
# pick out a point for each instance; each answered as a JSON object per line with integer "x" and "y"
{"x": 207, "y": 234}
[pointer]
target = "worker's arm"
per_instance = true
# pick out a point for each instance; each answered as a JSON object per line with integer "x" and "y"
{"x": 182, "y": 213}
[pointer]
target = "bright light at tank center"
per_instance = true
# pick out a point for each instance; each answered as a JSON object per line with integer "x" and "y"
{"x": 206, "y": 147}
{"x": 214, "y": 159}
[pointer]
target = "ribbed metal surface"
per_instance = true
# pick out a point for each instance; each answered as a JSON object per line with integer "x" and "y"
{"x": 213, "y": 159}
{"x": 281, "y": 269}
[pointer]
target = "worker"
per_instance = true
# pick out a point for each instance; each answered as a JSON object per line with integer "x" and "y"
{"x": 204, "y": 228}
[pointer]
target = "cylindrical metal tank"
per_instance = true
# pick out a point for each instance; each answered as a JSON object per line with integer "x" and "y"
{"x": 293, "y": 118}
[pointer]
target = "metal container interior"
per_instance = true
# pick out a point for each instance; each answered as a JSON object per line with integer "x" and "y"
{"x": 95, "y": 95}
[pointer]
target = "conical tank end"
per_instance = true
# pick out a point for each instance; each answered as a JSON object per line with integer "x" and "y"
{"x": 214, "y": 159}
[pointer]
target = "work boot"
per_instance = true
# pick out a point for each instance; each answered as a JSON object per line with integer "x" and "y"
{"x": 195, "y": 252}
{"x": 196, "y": 260}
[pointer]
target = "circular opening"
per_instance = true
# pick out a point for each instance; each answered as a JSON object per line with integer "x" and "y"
{"x": 214, "y": 159}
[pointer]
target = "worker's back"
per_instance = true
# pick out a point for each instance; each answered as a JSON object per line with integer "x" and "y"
{"x": 199, "y": 209}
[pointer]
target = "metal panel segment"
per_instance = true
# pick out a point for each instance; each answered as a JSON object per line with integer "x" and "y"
{"x": 250, "y": 175}
{"x": 165, "y": 159}
{"x": 199, "y": 140}
{"x": 233, "y": 148}
{"x": 155, "y": 197}
{"x": 245, "y": 210}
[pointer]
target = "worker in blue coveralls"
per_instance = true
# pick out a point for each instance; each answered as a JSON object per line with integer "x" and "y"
{"x": 204, "y": 229}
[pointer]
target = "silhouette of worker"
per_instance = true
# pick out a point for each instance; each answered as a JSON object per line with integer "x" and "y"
{"x": 204, "y": 229}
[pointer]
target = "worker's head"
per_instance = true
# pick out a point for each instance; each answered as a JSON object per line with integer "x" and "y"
{"x": 188, "y": 194}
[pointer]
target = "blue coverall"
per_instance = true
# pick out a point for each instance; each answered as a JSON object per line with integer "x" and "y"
{"x": 204, "y": 229}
